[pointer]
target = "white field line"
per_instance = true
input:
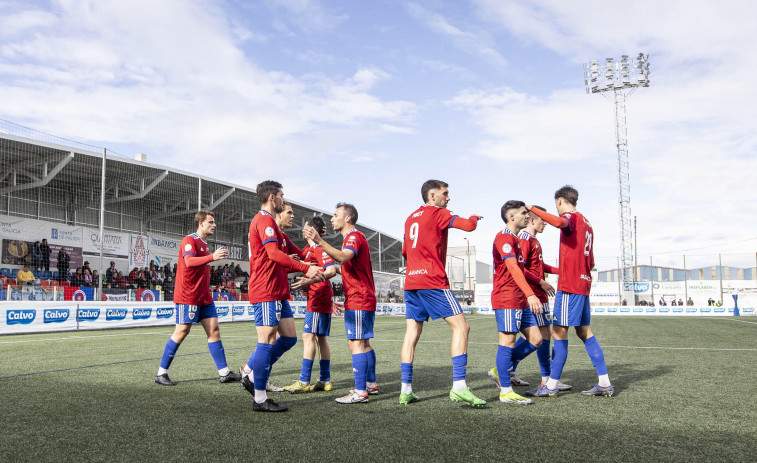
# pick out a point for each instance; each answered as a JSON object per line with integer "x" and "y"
{"x": 581, "y": 346}
{"x": 78, "y": 337}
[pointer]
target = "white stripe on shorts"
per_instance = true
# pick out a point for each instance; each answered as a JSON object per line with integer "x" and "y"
{"x": 564, "y": 309}
{"x": 452, "y": 301}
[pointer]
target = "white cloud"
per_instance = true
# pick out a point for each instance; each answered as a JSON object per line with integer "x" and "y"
{"x": 309, "y": 15}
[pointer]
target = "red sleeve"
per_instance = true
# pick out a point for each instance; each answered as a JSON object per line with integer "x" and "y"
{"x": 555, "y": 221}
{"x": 193, "y": 261}
{"x": 465, "y": 224}
{"x": 275, "y": 254}
{"x": 531, "y": 277}
{"x": 301, "y": 253}
{"x": 512, "y": 266}
{"x": 550, "y": 269}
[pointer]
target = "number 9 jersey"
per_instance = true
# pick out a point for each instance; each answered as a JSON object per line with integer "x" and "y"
{"x": 425, "y": 247}
{"x": 576, "y": 255}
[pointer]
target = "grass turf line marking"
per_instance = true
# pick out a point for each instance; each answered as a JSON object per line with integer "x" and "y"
{"x": 80, "y": 337}
{"x": 714, "y": 349}
{"x": 740, "y": 321}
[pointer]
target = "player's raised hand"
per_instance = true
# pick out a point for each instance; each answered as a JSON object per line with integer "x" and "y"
{"x": 313, "y": 271}
{"x": 309, "y": 233}
{"x": 301, "y": 283}
{"x": 548, "y": 288}
{"x": 220, "y": 253}
{"x": 336, "y": 308}
{"x": 534, "y": 304}
{"x": 477, "y": 215}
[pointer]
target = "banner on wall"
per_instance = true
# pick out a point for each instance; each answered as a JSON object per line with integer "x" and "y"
{"x": 115, "y": 244}
{"x": 164, "y": 250}
{"x": 139, "y": 251}
{"x": 73, "y": 293}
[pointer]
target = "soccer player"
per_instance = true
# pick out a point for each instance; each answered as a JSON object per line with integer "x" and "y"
{"x": 534, "y": 272}
{"x": 573, "y": 287}
{"x": 514, "y": 303}
{"x": 284, "y": 220}
{"x": 268, "y": 291}
{"x": 194, "y": 302}
{"x": 318, "y": 316}
{"x": 359, "y": 298}
{"x": 427, "y": 292}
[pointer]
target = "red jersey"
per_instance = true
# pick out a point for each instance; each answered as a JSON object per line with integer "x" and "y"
{"x": 192, "y": 283}
{"x": 357, "y": 274}
{"x": 320, "y": 295}
{"x": 534, "y": 263}
{"x": 290, "y": 248}
{"x": 576, "y": 255}
{"x": 506, "y": 293}
{"x": 268, "y": 280}
{"x": 425, "y": 247}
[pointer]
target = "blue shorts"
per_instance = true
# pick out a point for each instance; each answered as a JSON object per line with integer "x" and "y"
{"x": 508, "y": 320}
{"x": 435, "y": 303}
{"x": 572, "y": 310}
{"x": 186, "y": 314}
{"x": 269, "y": 313}
{"x": 317, "y": 323}
{"x": 543, "y": 318}
{"x": 359, "y": 323}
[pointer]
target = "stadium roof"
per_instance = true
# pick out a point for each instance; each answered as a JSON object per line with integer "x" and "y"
{"x": 59, "y": 180}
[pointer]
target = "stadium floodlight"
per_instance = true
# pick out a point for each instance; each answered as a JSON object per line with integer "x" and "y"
{"x": 622, "y": 78}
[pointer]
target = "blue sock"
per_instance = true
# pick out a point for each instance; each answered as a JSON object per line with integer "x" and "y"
{"x": 169, "y": 352}
{"x": 596, "y": 355}
{"x": 521, "y": 351}
{"x": 371, "y": 374}
{"x": 459, "y": 367}
{"x": 282, "y": 345}
{"x": 325, "y": 370}
{"x": 518, "y": 343}
{"x": 218, "y": 354}
{"x": 261, "y": 365}
{"x": 504, "y": 363}
{"x": 407, "y": 372}
{"x": 359, "y": 370}
{"x": 542, "y": 352}
{"x": 251, "y": 361}
{"x": 559, "y": 356}
{"x": 307, "y": 369}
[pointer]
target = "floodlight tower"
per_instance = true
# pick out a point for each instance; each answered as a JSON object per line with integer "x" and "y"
{"x": 622, "y": 78}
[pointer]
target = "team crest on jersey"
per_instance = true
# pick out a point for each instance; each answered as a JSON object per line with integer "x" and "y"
{"x": 324, "y": 255}
{"x": 188, "y": 247}
{"x": 507, "y": 249}
{"x": 269, "y": 231}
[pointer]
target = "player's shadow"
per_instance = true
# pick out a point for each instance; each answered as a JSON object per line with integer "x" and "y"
{"x": 622, "y": 376}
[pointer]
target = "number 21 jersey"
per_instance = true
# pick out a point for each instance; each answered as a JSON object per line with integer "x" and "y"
{"x": 576, "y": 255}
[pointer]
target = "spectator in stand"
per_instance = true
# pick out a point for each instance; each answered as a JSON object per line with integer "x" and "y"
{"x": 662, "y": 302}
{"x": 87, "y": 278}
{"x": 673, "y": 302}
{"x": 142, "y": 280}
{"x": 64, "y": 261}
{"x": 111, "y": 273}
{"x": 168, "y": 285}
{"x": 690, "y": 302}
{"x": 25, "y": 276}
{"x": 710, "y": 302}
{"x": 121, "y": 281}
{"x": 132, "y": 280}
{"x": 239, "y": 272}
{"x": 680, "y": 302}
{"x": 37, "y": 256}
{"x": 77, "y": 279}
{"x": 173, "y": 272}
{"x": 45, "y": 250}
{"x": 86, "y": 267}
{"x": 215, "y": 280}
{"x": 625, "y": 302}
{"x": 147, "y": 277}
{"x": 155, "y": 277}
{"x": 167, "y": 272}
{"x": 95, "y": 279}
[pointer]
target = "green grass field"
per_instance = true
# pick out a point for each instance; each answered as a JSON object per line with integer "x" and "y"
{"x": 685, "y": 391}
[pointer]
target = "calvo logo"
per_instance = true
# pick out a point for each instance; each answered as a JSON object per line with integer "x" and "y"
{"x": 56, "y": 315}
{"x": 222, "y": 311}
{"x": 164, "y": 312}
{"x": 88, "y": 315}
{"x": 141, "y": 314}
{"x": 115, "y": 314}
{"x": 238, "y": 310}
{"x": 20, "y": 317}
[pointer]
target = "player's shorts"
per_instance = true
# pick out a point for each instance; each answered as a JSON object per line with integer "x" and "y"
{"x": 543, "y": 318}
{"x": 186, "y": 314}
{"x": 317, "y": 323}
{"x": 571, "y": 310}
{"x": 435, "y": 303}
{"x": 508, "y": 320}
{"x": 270, "y": 312}
{"x": 359, "y": 323}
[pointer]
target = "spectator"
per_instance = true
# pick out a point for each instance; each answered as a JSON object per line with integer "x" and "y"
{"x": 121, "y": 281}
{"x": 133, "y": 275}
{"x": 63, "y": 264}
{"x": 45, "y": 250}
{"x": 680, "y": 302}
{"x": 167, "y": 271}
{"x": 662, "y": 302}
{"x": 174, "y": 269}
{"x": 25, "y": 276}
{"x": 87, "y": 278}
{"x": 95, "y": 279}
{"x": 111, "y": 273}
{"x": 718, "y": 304}
{"x": 142, "y": 280}
{"x": 710, "y": 302}
{"x": 37, "y": 256}
{"x": 673, "y": 303}
{"x": 147, "y": 277}
{"x": 168, "y": 286}
{"x": 690, "y": 302}
{"x": 86, "y": 267}
{"x": 625, "y": 302}
{"x": 155, "y": 276}
{"x": 77, "y": 279}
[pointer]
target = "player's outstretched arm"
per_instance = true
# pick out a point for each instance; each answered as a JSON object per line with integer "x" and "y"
{"x": 340, "y": 256}
{"x": 275, "y": 254}
{"x": 468, "y": 224}
{"x": 520, "y": 280}
{"x": 555, "y": 221}
{"x": 552, "y": 270}
{"x": 193, "y": 261}
{"x": 303, "y": 283}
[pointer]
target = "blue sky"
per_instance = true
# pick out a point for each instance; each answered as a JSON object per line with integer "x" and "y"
{"x": 363, "y": 101}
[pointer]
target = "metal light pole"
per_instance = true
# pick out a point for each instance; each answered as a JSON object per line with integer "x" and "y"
{"x": 622, "y": 78}
{"x": 467, "y": 253}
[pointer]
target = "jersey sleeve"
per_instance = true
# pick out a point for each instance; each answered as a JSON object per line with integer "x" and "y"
{"x": 572, "y": 220}
{"x": 323, "y": 259}
{"x": 444, "y": 217}
{"x": 266, "y": 230}
{"x": 505, "y": 246}
{"x": 188, "y": 247}
{"x": 352, "y": 243}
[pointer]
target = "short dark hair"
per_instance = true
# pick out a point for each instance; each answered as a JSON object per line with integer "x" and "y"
{"x": 318, "y": 223}
{"x": 202, "y": 215}
{"x": 568, "y": 193}
{"x": 286, "y": 203}
{"x": 429, "y": 185}
{"x": 267, "y": 188}
{"x": 350, "y": 210}
{"x": 510, "y": 205}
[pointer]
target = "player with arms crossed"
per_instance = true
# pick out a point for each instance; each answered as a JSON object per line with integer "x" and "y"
{"x": 359, "y": 298}
{"x": 514, "y": 303}
{"x": 573, "y": 287}
{"x": 268, "y": 293}
{"x": 534, "y": 272}
{"x": 427, "y": 292}
{"x": 317, "y": 325}
{"x": 193, "y": 300}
